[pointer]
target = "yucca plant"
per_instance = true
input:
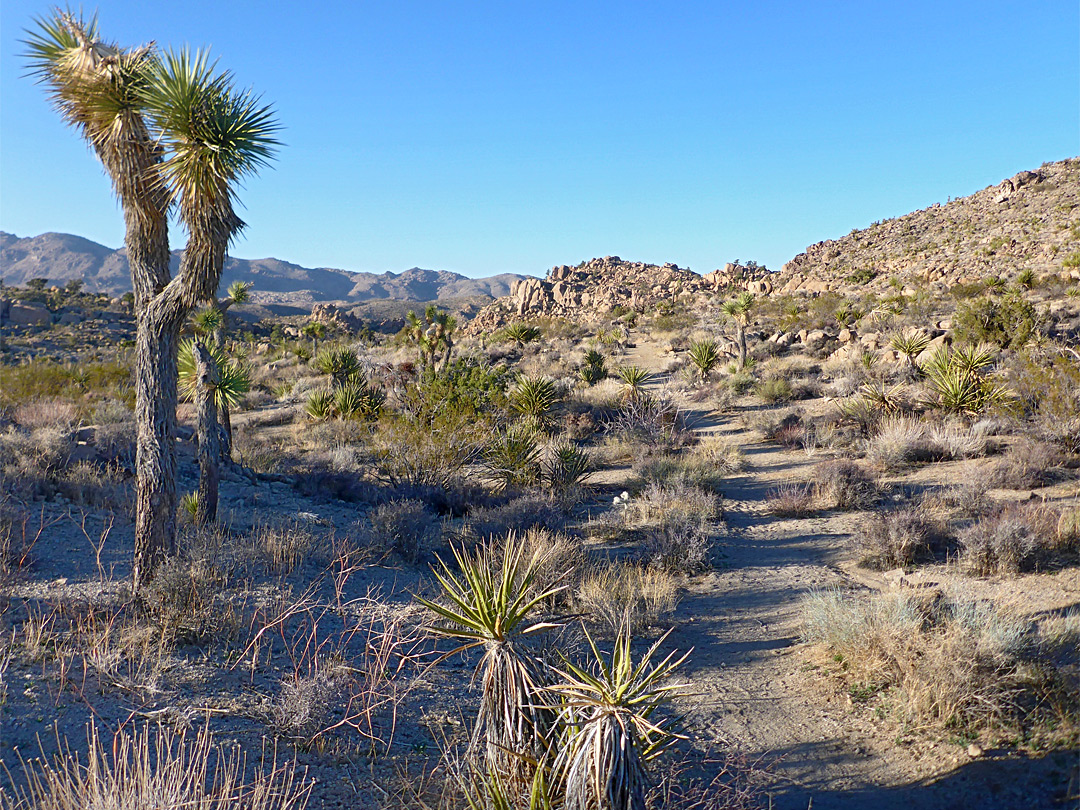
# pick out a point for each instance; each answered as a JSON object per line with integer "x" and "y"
{"x": 957, "y": 381}
{"x": 566, "y": 467}
{"x": 534, "y": 397}
{"x": 705, "y": 355}
{"x": 320, "y": 405}
{"x": 491, "y": 607}
{"x": 594, "y": 367}
{"x": 608, "y": 711}
{"x": 512, "y": 458}
{"x": 884, "y": 400}
{"x": 633, "y": 380}
{"x": 354, "y": 400}
{"x": 342, "y": 364}
{"x": 1026, "y": 278}
{"x": 909, "y": 345}
{"x": 189, "y": 504}
{"x": 520, "y": 333}
{"x": 233, "y": 381}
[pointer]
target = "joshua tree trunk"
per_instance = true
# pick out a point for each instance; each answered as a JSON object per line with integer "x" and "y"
{"x": 740, "y": 332}
{"x": 449, "y": 351}
{"x": 226, "y": 432}
{"x": 207, "y": 427}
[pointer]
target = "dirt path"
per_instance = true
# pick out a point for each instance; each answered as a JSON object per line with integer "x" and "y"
{"x": 754, "y": 690}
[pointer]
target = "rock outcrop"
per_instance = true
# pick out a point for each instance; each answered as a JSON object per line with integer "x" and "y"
{"x": 1029, "y": 221}
{"x": 599, "y": 286}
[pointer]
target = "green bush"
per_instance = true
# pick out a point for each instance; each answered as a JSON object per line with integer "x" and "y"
{"x": 1008, "y": 322}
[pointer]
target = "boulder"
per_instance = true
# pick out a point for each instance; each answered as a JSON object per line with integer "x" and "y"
{"x": 29, "y": 314}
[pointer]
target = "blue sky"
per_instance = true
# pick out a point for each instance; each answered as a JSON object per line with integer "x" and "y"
{"x": 487, "y": 137}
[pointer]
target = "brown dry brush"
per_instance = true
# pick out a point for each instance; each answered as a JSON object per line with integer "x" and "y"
{"x": 153, "y": 768}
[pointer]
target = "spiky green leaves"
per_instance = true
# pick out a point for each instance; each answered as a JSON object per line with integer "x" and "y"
{"x": 634, "y": 380}
{"x": 534, "y": 397}
{"x": 234, "y": 378}
{"x": 593, "y": 368}
{"x": 958, "y": 380}
{"x": 342, "y": 364}
{"x": 738, "y": 308}
{"x": 609, "y": 709}
{"x": 214, "y": 135}
{"x": 705, "y": 355}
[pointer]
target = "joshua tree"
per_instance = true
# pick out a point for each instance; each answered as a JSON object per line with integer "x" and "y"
{"x": 316, "y": 330}
{"x": 738, "y": 309}
{"x": 238, "y": 293}
{"x": 432, "y": 334}
{"x": 169, "y": 131}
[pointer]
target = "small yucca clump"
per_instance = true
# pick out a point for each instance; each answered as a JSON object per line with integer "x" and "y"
{"x": 607, "y": 712}
{"x": 490, "y": 606}
{"x": 705, "y": 355}
{"x": 512, "y": 459}
{"x": 594, "y": 368}
{"x": 634, "y": 380}
{"x": 533, "y": 398}
{"x": 566, "y": 467}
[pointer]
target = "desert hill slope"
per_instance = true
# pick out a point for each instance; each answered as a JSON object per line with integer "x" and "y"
{"x": 61, "y": 257}
{"x": 1029, "y": 221}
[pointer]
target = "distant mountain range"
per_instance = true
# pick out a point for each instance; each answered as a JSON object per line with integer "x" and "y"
{"x": 60, "y": 257}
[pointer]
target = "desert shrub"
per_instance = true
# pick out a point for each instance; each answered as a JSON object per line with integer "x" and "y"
{"x": 775, "y": 390}
{"x": 651, "y": 424}
{"x": 679, "y": 523}
{"x": 681, "y": 543}
{"x": 518, "y": 515}
{"x": 896, "y": 538}
{"x": 90, "y": 484}
{"x": 790, "y": 500}
{"x": 50, "y": 413}
{"x": 467, "y": 388}
{"x": 773, "y": 424}
{"x": 625, "y": 595}
{"x": 899, "y": 440}
{"x": 1049, "y": 383}
{"x": 560, "y": 561}
{"x": 407, "y": 527}
{"x": 154, "y": 767}
{"x": 307, "y": 705}
{"x": 1007, "y": 322}
{"x": 705, "y": 468}
{"x": 1010, "y": 540}
{"x": 952, "y": 441}
{"x": 1025, "y": 465}
{"x": 944, "y": 663}
{"x": 30, "y": 462}
{"x": 413, "y": 452}
{"x": 115, "y": 442}
{"x": 840, "y": 484}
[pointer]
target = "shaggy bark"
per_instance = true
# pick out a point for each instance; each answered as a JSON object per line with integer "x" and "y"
{"x": 207, "y": 429}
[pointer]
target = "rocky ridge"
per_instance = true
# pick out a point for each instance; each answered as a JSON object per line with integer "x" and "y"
{"x": 1028, "y": 221}
{"x": 598, "y": 286}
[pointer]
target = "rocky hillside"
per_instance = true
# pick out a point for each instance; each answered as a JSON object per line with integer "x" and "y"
{"x": 1029, "y": 221}
{"x": 60, "y": 257}
{"x": 598, "y": 286}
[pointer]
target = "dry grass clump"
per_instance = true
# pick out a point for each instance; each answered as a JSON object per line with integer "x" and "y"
{"x": 945, "y": 663}
{"x": 560, "y": 560}
{"x": 1015, "y": 538}
{"x": 285, "y": 546}
{"x": 791, "y": 499}
{"x": 899, "y": 440}
{"x": 104, "y": 486}
{"x": 157, "y": 769}
{"x": 306, "y": 705}
{"x": 841, "y": 484}
{"x": 1025, "y": 465}
{"x": 46, "y": 413}
{"x": 407, "y": 527}
{"x": 897, "y": 538}
{"x": 31, "y": 460}
{"x": 625, "y": 595}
